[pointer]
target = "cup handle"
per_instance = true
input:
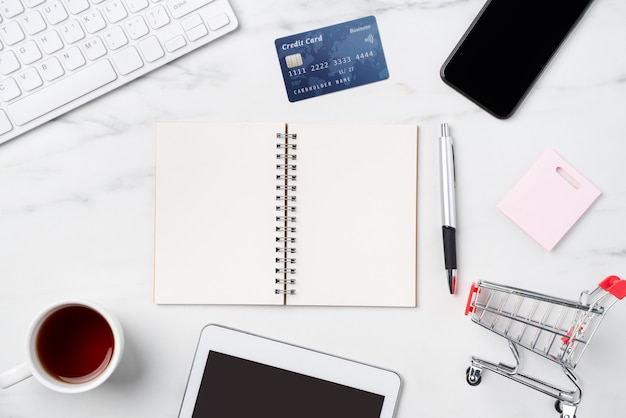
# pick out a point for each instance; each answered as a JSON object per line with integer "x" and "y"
{"x": 14, "y": 375}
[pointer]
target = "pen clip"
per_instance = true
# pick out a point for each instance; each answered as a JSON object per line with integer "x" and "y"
{"x": 453, "y": 163}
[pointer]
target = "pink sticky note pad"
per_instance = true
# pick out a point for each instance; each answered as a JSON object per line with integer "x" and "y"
{"x": 549, "y": 199}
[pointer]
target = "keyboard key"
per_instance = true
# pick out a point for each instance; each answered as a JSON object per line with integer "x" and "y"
{"x": 12, "y": 33}
{"x": 72, "y": 31}
{"x": 94, "y": 48}
{"x": 55, "y": 12}
{"x": 29, "y": 79}
{"x": 175, "y": 43}
{"x": 114, "y": 11}
{"x": 29, "y": 52}
{"x": 8, "y": 63}
{"x": 157, "y": 17}
{"x": 33, "y": 23}
{"x": 73, "y": 58}
{"x": 77, "y": 6}
{"x": 151, "y": 49}
{"x": 218, "y": 21}
{"x": 180, "y": 8}
{"x": 51, "y": 69}
{"x": 191, "y": 22}
{"x": 93, "y": 21}
{"x": 62, "y": 92}
{"x": 135, "y": 6}
{"x": 197, "y": 32}
{"x": 33, "y": 3}
{"x": 127, "y": 61}
{"x": 5, "y": 124}
{"x": 50, "y": 42}
{"x": 9, "y": 89}
{"x": 115, "y": 38}
{"x": 136, "y": 27}
{"x": 11, "y": 8}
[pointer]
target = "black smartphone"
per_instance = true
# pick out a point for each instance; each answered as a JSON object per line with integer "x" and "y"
{"x": 506, "y": 48}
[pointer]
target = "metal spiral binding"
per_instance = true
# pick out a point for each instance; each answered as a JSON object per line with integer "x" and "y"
{"x": 285, "y": 208}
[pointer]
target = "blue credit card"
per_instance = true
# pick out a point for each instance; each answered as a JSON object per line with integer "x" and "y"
{"x": 331, "y": 59}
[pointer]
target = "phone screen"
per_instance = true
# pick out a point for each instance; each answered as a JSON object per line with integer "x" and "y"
{"x": 506, "y": 48}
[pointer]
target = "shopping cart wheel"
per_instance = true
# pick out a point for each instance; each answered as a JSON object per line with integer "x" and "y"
{"x": 557, "y": 406}
{"x": 472, "y": 375}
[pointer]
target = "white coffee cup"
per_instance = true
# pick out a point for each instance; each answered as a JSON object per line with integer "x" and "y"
{"x": 72, "y": 346}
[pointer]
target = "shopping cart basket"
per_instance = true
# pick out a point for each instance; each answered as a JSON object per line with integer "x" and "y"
{"x": 555, "y": 328}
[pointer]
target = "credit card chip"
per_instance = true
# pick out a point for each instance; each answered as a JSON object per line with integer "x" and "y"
{"x": 293, "y": 60}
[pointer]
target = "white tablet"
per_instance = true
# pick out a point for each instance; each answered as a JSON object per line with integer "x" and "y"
{"x": 239, "y": 375}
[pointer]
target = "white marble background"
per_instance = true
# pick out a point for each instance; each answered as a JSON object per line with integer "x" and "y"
{"x": 76, "y": 213}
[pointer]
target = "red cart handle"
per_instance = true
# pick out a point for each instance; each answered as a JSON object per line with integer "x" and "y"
{"x": 469, "y": 308}
{"x": 615, "y": 286}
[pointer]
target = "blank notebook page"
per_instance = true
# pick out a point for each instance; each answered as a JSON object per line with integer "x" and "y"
{"x": 356, "y": 215}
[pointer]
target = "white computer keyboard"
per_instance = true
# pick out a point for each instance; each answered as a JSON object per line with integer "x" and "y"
{"x": 56, "y": 55}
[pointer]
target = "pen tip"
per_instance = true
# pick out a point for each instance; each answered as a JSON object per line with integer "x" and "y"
{"x": 444, "y": 129}
{"x": 452, "y": 281}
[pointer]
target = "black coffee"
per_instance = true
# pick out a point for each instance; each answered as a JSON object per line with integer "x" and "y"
{"x": 75, "y": 344}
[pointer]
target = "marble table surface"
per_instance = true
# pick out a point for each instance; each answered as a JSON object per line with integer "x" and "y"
{"x": 77, "y": 213}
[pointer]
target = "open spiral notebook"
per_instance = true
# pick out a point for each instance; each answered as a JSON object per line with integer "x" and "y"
{"x": 286, "y": 214}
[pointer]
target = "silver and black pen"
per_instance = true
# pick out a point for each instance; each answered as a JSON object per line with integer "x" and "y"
{"x": 448, "y": 204}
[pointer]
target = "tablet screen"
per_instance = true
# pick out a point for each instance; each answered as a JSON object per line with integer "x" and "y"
{"x": 232, "y": 387}
{"x": 235, "y": 374}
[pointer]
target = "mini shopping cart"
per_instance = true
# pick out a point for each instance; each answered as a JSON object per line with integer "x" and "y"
{"x": 557, "y": 329}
